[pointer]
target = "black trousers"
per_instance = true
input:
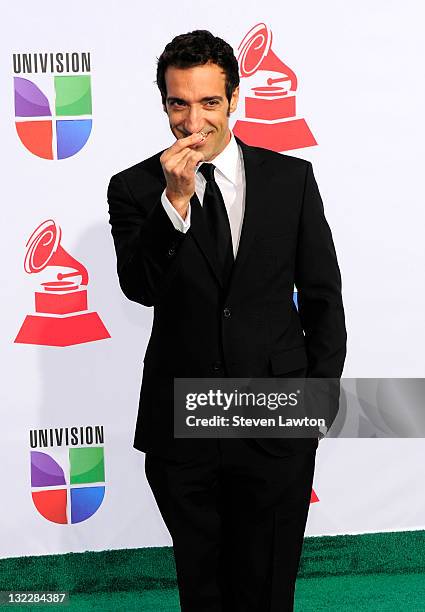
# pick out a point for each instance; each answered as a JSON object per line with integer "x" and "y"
{"x": 237, "y": 518}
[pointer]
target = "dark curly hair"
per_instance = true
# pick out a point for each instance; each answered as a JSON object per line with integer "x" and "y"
{"x": 195, "y": 49}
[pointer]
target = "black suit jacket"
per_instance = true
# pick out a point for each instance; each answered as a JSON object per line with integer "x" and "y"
{"x": 252, "y": 329}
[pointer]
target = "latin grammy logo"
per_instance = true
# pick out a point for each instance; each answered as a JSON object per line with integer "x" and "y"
{"x": 270, "y": 113}
{"x": 61, "y": 310}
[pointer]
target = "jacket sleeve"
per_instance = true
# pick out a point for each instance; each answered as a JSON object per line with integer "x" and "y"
{"x": 146, "y": 244}
{"x": 318, "y": 281}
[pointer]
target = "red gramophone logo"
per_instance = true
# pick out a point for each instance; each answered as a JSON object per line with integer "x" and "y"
{"x": 61, "y": 313}
{"x": 270, "y": 113}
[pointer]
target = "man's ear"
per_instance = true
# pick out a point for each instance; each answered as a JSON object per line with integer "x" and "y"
{"x": 234, "y": 100}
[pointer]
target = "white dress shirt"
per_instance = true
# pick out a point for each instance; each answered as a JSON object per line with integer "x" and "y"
{"x": 230, "y": 177}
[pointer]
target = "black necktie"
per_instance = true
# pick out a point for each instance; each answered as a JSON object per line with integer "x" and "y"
{"x": 218, "y": 222}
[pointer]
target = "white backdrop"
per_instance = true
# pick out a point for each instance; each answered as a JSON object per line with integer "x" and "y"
{"x": 361, "y": 90}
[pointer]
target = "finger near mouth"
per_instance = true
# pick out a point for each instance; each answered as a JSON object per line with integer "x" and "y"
{"x": 202, "y": 142}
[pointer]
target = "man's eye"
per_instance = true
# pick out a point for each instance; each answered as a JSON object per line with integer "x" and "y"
{"x": 177, "y": 103}
{"x": 212, "y": 102}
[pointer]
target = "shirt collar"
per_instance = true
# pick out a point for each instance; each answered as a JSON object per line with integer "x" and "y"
{"x": 227, "y": 161}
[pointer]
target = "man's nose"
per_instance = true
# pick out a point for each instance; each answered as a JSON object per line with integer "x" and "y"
{"x": 194, "y": 121}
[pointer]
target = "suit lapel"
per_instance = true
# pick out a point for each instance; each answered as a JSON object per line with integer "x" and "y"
{"x": 254, "y": 191}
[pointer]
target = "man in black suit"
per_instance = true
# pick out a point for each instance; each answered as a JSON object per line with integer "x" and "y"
{"x": 213, "y": 234}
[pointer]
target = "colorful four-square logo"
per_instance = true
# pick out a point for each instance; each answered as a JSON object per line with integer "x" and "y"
{"x": 69, "y": 495}
{"x": 55, "y": 128}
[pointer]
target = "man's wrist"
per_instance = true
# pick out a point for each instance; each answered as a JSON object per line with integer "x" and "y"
{"x": 181, "y": 205}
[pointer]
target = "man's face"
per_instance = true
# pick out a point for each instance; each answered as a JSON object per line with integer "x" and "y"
{"x": 196, "y": 102}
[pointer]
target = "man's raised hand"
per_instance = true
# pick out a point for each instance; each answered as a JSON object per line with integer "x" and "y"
{"x": 178, "y": 164}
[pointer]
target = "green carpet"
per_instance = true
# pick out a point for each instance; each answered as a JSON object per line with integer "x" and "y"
{"x": 376, "y": 572}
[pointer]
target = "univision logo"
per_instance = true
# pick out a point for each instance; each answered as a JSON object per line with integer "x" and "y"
{"x": 53, "y": 108}
{"x": 68, "y": 487}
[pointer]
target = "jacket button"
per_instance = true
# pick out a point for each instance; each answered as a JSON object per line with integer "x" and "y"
{"x": 227, "y": 313}
{"x": 171, "y": 252}
{"x": 217, "y": 366}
